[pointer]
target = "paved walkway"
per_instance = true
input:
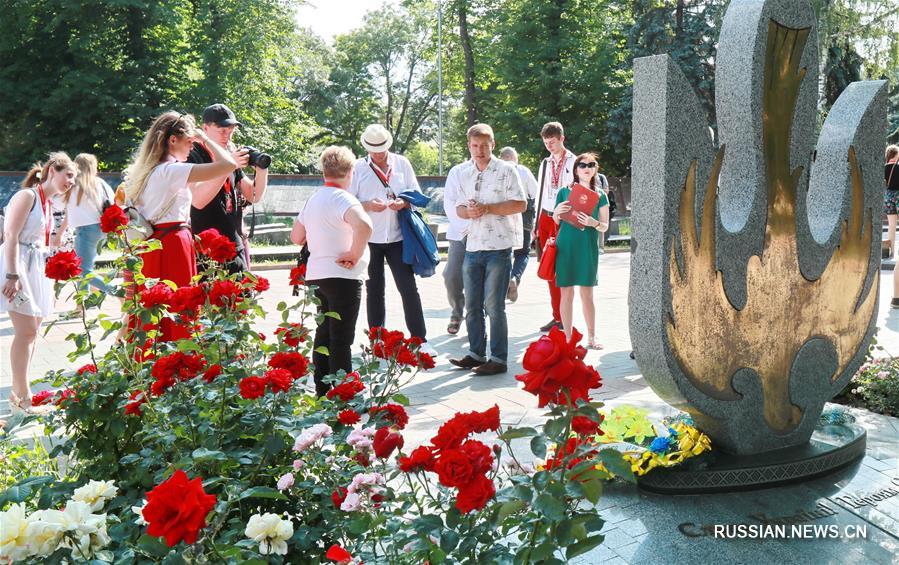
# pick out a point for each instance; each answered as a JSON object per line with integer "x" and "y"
{"x": 648, "y": 532}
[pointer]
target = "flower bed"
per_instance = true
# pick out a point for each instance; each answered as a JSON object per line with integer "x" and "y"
{"x": 195, "y": 440}
{"x": 875, "y": 385}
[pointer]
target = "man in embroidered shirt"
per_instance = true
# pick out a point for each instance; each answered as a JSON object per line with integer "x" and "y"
{"x": 491, "y": 196}
{"x": 378, "y": 180}
{"x": 556, "y": 171}
{"x": 219, "y": 203}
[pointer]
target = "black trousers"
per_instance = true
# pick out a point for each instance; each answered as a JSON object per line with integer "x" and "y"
{"x": 405, "y": 283}
{"x": 343, "y": 296}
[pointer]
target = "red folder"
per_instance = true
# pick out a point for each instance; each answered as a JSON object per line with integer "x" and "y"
{"x": 582, "y": 199}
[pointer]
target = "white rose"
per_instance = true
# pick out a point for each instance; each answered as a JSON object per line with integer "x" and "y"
{"x": 270, "y": 531}
{"x": 139, "y": 510}
{"x": 13, "y": 539}
{"x": 96, "y": 493}
{"x": 85, "y": 531}
{"x": 44, "y": 532}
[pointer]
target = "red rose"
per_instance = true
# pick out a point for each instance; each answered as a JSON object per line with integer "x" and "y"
{"x": 63, "y": 266}
{"x": 112, "y": 218}
{"x": 348, "y": 417}
{"x": 298, "y": 275}
{"x": 260, "y": 285}
{"x": 159, "y": 386}
{"x": 339, "y": 554}
{"x": 338, "y": 496}
{"x": 584, "y": 426}
{"x": 186, "y": 300}
{"x": 216, "y": 246}
{"x": 348, "y": 388}
{"x": 64, "y": 396}
{"x": 293, "y": 334}
{"x": 177, "y": 509}
{"x": 362, "y": 459}
{"x": 421, "y": 459}
{"x": 479, "y": 455}
{"x": 391, "y": 413}
{"x": 252, "y": 387}
{"x": 178, "y": 365}
{"x": 475, "y": 495}
{"x": 488, "y": 420}
{"x": 556, "y": 369}
{"x": 455, "y": 430}
{"x": 425, "y": 361}
{"x": 386, "y": 441}
{"x": 387, "y": 344}
{"x": 405, "y": 357}
{"x": 89, "y": 368}
{"x": 224, "y": 293}
{"x": 567, "y": 449}
{"x": 137, "y": 398}
{"x": 42, "y": 397}
{"x": 294, "y": 362}
{"x": 279, "y": 380}
{"x": 212, "y": 372}
{"x": 157, "y": 295}
{"x": 453, "y": 468}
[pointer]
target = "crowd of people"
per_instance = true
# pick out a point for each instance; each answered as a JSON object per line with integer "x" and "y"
{"x": 186, "y": 178}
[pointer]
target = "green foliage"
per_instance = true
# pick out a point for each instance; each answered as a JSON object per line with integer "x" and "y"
{"x": 876, "y": 386}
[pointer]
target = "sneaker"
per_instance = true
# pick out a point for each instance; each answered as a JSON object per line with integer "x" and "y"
{"x": 467, "y": 362}
{"x": 550, "y": 325}
{"x": 491, "y": 368}
{"x": 428, "y": 348}
{"x": 512, "y": 293}
{"x": 895, "y": 303}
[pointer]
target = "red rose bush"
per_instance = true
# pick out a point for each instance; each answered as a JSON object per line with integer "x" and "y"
{"x": 220, "y": 452}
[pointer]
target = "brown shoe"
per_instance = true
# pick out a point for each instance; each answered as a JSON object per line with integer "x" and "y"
{"x": 491, "y": 368}
{"x": 895, "y": 303}
{"x": 550, "y": 325}
{"x": 467, "y": 362}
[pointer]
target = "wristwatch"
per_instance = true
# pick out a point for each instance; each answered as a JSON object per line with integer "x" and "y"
{"x": 12, "y": 276}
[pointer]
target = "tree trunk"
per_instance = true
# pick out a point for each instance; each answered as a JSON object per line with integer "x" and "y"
{"x": 470, "y": 107}
{"x": 679, "y": 19}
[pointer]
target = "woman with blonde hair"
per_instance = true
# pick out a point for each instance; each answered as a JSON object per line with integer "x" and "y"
{"x": 27, "y": 294}
{"x": 84, "y": 206}
{"x": 159, "y": 185}
{"x": 337, "y": 230}
{"x": 891, "y": 208}
{"x": 577, "y": 248}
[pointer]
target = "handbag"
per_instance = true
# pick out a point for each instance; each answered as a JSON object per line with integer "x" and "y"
{"x": 140, "y": 228}
{"x": 547, "y": 268}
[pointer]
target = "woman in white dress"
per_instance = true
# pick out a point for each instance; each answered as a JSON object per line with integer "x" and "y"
{"x": 84, "y": 206}
{"x": 27, "y": 294}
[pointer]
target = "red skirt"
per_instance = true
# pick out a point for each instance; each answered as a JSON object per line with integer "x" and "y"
{"x": 176, "y": 261}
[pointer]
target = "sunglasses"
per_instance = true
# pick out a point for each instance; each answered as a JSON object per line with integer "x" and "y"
{"x": 583, "y": 165}
{"x": 171, "y": 130}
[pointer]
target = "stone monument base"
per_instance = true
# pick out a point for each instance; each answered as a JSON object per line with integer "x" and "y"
{"x": 830, "y": 448}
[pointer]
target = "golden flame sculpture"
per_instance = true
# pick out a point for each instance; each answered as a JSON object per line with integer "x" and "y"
{"x": 709, "y": 337}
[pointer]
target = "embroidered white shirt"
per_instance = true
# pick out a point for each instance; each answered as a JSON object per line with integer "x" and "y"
{"x": 545, "y": 179}
{"x": 499, "y": 182}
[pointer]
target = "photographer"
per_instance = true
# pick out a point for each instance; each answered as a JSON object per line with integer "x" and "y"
{"x": 219, "y": 204}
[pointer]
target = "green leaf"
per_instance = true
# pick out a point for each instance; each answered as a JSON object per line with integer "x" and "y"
{"x": 401, "y": 399}
{"x": 453, "y": 518}
{"x": 555, "y": 428}
{"x": 334, "y": 315}
{"x": 584, "y": 546}
{"x": 449, "y": 539}
{"x": 592, "y": 490}
{"x": 262, "y": 492}
{"x": 428, "y": 523}
{"x": 614, "y": 461}
{"x": 524, "y": 493}
{"x": 322, "y": 349}
{"x": 538, "y": 446}
{"x": 515, "y": 433}
{"x": 153, "y": 546}
{"x": 203, "y": 453}
{"x": 549, "y": 506}
{"x": 508, "y": 508}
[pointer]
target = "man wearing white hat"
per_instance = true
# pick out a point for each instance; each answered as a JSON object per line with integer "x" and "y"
{"x": 378, "y": 179}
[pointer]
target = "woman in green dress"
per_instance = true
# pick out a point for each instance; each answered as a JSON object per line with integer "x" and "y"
{"x": 577, "y": 248}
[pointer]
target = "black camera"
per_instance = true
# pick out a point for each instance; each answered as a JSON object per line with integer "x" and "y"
{"x": 258, "y": 158}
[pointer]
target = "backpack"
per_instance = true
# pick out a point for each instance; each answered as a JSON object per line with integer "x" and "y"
{"x": 604, "y": 183}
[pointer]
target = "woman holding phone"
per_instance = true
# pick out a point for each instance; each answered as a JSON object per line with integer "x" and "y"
{"x": 577, "y": 248}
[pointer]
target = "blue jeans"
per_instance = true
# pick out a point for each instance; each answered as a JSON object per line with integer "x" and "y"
{"x": 86, "y": 240}
{"x": 522, "y": 256}
{"x": 486, "y": 276}
{"x": 453, "y": 279}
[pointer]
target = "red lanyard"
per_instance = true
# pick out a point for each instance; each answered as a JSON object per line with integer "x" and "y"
{"x": 227, "y": 183}
{"x": 556, "y": 171}
{"x": 48, "y": 216}
{"x": 333, "y": 184}
{"x": 385, "y": 177}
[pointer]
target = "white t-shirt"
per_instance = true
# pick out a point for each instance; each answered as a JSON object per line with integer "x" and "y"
{"x": 87, "y": 213}
{"x": 452, "y": 197}
{"x": 528, "y": 182}
{"x": 498, "y": 182}
{"x": 166, "y": 198}
{"x": 366, "y": 186}
{"x": 566, "y": 177}
{"x": 329, "y": 235}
